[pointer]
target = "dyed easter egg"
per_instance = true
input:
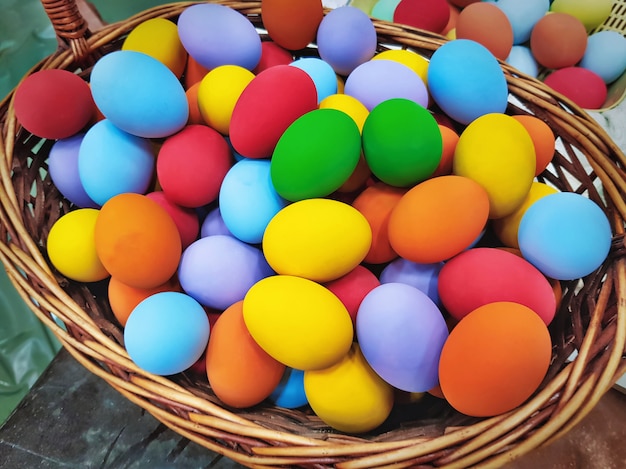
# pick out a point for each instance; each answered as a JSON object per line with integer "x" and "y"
{"x": 424, "y": 277}
{"x": 280, "y": 94}
{"x": 112, "y": 162}
{"x": 298, "y": 322}
{"x": 292, "y": 25}
{"x": 496, "y": 151}
{"x": 316, "y": 154}
{"x": 488, "y": 25}
{"x": 346, "y": 38}
{"x": 605, "y": 55}
{"x": 353, "y": 287}
{"x": 213, "y": 224}
{"x": 401, "y": 333}
{"x": 166, "y": 333}
{"x": 194, "y": 72}
{"x": 53, "y": 103}
{"x": 584, "y": 87}
{"x": 449, "y": 139}
{"x": 348, "y": 104}
{"x": 321, "y": 73}
{"x": 466, "y": 81}
{"x": 218, "y": 270}
{"x": 565, "y": 235}
{"x": 521, "y": 57}
{"x": 248, "y": 200}
{"x": 591, "y": 14}
{"x": 349, "y": 396}
{"x": 402, "y": 142}
{"x": 272, "y": 54}
{"x": 523, "y": 16}
{"x": 215, "y": 35}
{"x": 486, "y": 275}
{"x": 383, "y": 9}
{"x": 290, "y": 393}
{"x": 240, "y": 372}
{"x": 148, "y": 102}
{"x": 543, "y": 139}
{"x": 406, "y": 57}
{"x": 430, "y": 15}
{"x": 158, "y": 38}
{"x": 494, "y": 359}
{"x": 558, "y": 40}
{"x": 129, "y": 230}
{"x": 71, "y": 247}
{"x": 219, "y": 91}
{"x": 186, "y": 219}
{"x": 192, "y": 100}
{"x": 438, "y": 218}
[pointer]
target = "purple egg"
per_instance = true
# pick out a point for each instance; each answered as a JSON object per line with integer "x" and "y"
{"x": 217, "y": 271}
{"x": 401, "y": 333}
{"x": 213, "y": 224}
{"x": 379, "y": 80}
{"x": 424, "y": 277}
{"x": 63, "y": 167}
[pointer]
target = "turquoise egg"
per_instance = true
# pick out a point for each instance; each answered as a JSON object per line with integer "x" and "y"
{"x": 605, "y": 55}
{"x": 290, "y": 393}
{"x": 522, "y": 59}
{"x": 321, "y": 73}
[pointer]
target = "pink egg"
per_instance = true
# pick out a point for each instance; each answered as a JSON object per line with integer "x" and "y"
{"x": 185, "y": 219}
{"x": 353, "y": 287}
{"x": 272, "y": 54}
{"x": 431, "y": 15}
{"x": 584, "y": 87}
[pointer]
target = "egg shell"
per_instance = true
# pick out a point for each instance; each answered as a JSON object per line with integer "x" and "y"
{"x": 272, "y": 54}
{"x": 298, "y": 322}
{"x": 353, "y": 287}
{"x": 71, "y": 247}
{"x": 454, "y": 16}
{"x": 290, "y": 393}
{"x": 214, "y": 35}
{"x": 430, "y": 15}
{"x": 605, "y": 55}
{"x": 376, "y": 81}
{"x": 349, "y": 396}
{"x": 523, "y": 16}
{"x": 383, "y": 9}
{"x": 53, "y": 103}
{"x": 194, "y": 72}
{"x": 558, "y": 40}
{"x": 406, "y": 57}
{"x": 463, "y": 3}
{"x": 357, "y": 179}
{"x": 318, "y": 239}
{"x": 149, "y": 102}
{"x": 292, "y": 25}
{"x": 192, "y": 164}
{"x": 241, "y": 373}
{"x": 466, "y": 81}
{"x": 280, "y": 94}
{"x": 321, "y": 73}
{"x": 248, "y": 200}
{"x": 424, "y": 277}
{"x": 192, "y": 100}
{"x": 488, "y": 25}
{"x": 449, "y": 139}
{"x": 219, "y": 91}
{"x": 375, "y": 203}
{"x": 346, "y": 38}
{"x": 565, "y": 235}
{"x": 213, "y": 224}
{"x": 438, "y": 218}
{"x": 186, "y": 219}
{"x": 506, "y": 228}
{"x": 401, "y": 332}
{"x": 218, "y": 270}
{"x": 591, "y": 14}
{"x": 543, "y": 139}
{"x": 166, "y": 333}
{"x": 521, "y": 57}
{"x": 158, "y": 38}
{"x": 496, "y": 151}
{"x": 402, "y": 142}
{"x": 494, "y": 359}
{"x": 348, "y": 104}
{"x": 112, "y": 162}
{"x": 124, "y": 298}
{"x": 584, "y": 87}
{"x": 315, "y": 155}
{"x": 63, "y": 169}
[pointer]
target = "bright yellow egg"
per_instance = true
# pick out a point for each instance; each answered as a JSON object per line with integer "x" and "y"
{"x": 348, "y": 104}
{"x": 411, "y": 59}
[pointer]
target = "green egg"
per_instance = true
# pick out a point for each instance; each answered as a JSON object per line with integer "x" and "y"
{"x": 402, "y": 142}
{"x": 315, "y": 155}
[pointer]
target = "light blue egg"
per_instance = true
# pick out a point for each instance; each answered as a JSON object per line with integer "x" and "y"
{"x": 522, "y": 59}
{"x": 139, "y": 94}
{"x": 605, "y": 55}
{"x": 248, "y": 200}
{"x": 321, "y": 73}
{"x": 523, "y": 15}
{"x": 384, "y": 9}
{"x": 213, "y": 224}
{"x": 424, "y": 277}
{"x": 466, "y": 81}
{"x": 565, "y": 235}
{"x": 289, "y": 393}
{"x": 166, "y": 333}
{"x": 111, "y": 162}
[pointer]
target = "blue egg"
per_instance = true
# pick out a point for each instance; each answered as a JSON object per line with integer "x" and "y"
{"x": 523, "y": 16}
{"x": 605, "y": 55}
{"x": 166, "y": 333}
{"x": 215, "y": 35}
{"x": 289, "y": 393}
{"x": 248, "y": 200}
{"x": 522, "y": 59}
{"x": 565, "y": 235}
{"x": 321, "y": 73}
{"x": 213, "y": 224}
{"x": 346, "y": 38}
{"x": 111, "y": 162}
{"x": 384, "y": 9}
{"x": 466, "y": 81}
{"x": 424, "y": 277}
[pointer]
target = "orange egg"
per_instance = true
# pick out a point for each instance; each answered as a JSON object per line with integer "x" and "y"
{"x": 454, "y": 15}
{"x": 137, "y": 241}
{"x": 488, "y": 25}
{"x": 494, "y": 359}
{"x": 240, "y": 372}
{"x": 194, "y": 111}
{"x": 292, "y": 25}
{"x": 358, "y": 178}
{"x": 450, "y": 139}
{"x": 558, "y": 40}
{"x": 543, "y": 140}
{"x": 438, "y": 218}
{"x": 194, "y": 72}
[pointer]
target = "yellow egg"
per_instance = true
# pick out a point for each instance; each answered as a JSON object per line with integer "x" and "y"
{"x": 411, "y": 59}
{"x": 497, "y": 151}
{"x": 591, "y": 13}
{"x": 318, "y": 239}
{"x": 506, "y": 228}
{"x": 158, "y": 38}
{"x": 349, "y": 396}
{"x": 298, "y": 322}
{"x": 219, "y": 91}
{"x": 72, "y": 249}
{"x": 348, "y": 104}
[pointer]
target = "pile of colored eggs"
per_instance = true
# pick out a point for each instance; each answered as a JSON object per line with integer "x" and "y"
{"x": 304, "y": 229}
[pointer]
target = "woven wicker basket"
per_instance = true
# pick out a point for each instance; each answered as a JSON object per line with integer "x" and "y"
{"x": 591, "y": 319}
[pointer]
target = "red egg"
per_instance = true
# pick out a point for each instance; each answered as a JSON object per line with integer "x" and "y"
{"x": 186, "y": 219}
{"x": 292, "y": 24}
{"x": 272, "y": 54}
{"x": 353, "y": 287}
{"x": 486, "y": 24}
{"x": 430, "y": 15}
{"x": 558, "y": 40}
{"x": 584, "y": 87}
